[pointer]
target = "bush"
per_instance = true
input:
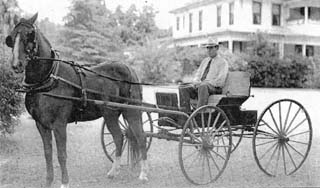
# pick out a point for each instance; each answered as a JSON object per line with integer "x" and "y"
{"x": 10, "y": 101}
{"x": 291, "y": 72}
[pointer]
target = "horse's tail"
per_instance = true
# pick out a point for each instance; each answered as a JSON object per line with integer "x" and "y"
{"x": 135, "y": 93}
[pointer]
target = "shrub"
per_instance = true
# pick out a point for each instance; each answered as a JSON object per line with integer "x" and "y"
{"x": 10, "y": 101}
{"x": 274, "y": 72}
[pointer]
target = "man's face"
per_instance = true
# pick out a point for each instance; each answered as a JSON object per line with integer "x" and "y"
{"x": 212, "y": 51}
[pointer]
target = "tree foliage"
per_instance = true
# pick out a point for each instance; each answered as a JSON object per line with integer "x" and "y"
{"x": 10, "y": 101}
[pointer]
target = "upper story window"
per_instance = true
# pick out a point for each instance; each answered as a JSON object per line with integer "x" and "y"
{"x": 200, "y": 20}
{"x": 218, "y": 16}
{"x": 276, "y": 14}
{"x": 256, "y": 8}
{"x": 231, "y": 13}
{"x": 178, "y": 23}
{"x": 314, "y": 13}
{"x": 296, "y": 13}
{"x": 190, "y": 22}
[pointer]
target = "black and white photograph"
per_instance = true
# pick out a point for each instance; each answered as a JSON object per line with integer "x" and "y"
{"x": 159, "y": 93}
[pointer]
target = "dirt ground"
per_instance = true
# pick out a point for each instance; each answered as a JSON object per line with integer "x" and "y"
{"x": 22, "y": 162}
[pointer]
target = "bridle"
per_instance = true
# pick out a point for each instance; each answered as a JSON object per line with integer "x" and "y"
{"x": 31, "y": 53}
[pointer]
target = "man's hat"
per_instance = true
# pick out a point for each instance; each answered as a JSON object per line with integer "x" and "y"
{"x": 212, "y": 42}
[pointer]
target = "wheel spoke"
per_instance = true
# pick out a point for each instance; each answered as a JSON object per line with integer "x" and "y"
{"x": 193, "y": 137}
{"x": 287, "y": 116}
{"x": 209, "y": 121}
{"x": 270, "y": 127}
{"x": 297, "y": 126}
{"x": 194, "y": 160}
{"x": 214, "y": 161}
{"x": 216, "y": 121}
{"x": 270, "y": 148}
{"x": 190, "y": 155}
{"x": 294, "y": 117}
{"x": 218, "y": 155}
{"x": 299, "y": 142}
{"x": 284, "y": 160}
{"x": 277, "y": 162}
{"x": 264, "y": 143}
{"x": 274, "y": 121}
{"x": 280, "y": 116}
{"x": 196, "y": 125}
{"x": 271, "y": 157}
{"x": 295, "y": 150}
{"x": 111, "y": 142}
{"x": 293, "y": 135}
{"x": 225, "y": 149}
{"x": 290, "y": 156}
{"x": 209, "y": 169}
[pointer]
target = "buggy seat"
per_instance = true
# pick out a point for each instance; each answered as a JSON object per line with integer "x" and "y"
{"x": 236, "y": 90}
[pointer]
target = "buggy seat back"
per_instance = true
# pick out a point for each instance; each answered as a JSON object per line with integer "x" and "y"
{"x": 237, "y": 87}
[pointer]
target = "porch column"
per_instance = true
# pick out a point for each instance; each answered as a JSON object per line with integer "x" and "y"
{"x": 304, "y": 49}
{"x": 281, "y": 50}
{"x": 306, "y": 13}
{"x": 230, "y": 45}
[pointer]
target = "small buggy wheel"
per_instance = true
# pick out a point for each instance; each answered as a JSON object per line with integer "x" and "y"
{"x": 282, "y": 137}
{"x": 108, "y": 144}
{"x": 205, "y": 145}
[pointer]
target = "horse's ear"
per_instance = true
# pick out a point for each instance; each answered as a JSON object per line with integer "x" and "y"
{"x": 34, "y": 18}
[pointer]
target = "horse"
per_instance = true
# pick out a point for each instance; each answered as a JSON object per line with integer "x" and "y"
{"x": 44, "y": 77}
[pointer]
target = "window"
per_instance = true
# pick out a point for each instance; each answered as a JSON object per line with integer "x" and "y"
{"x": 190, "y": 22}
{"x": 224, "y": 44}
{"x": 314, "y": 13}
{"x": 296, "y": 13}
{"x": 231, "y": 13}
{"x": 183, "y": 21}
{"x": 200, "y": 20}
{"x": 256, "y": 8}
{"x": 178, "y": 23}
{"x": 309, "y": 51}
{"x": 298, "y": 49}
{"x": 276, "y": 14}
{"x": 218, "y": 16}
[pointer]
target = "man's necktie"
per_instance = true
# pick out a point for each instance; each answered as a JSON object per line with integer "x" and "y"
{"x": 204, "y": 75}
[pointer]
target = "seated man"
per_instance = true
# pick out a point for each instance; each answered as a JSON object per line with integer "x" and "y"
{"x": 209, "y": 78}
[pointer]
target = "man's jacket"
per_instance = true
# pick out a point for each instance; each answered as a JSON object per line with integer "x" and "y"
{"x": 217, "y": 74}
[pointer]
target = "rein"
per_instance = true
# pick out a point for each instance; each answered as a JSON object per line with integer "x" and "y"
{"x": 72, "y": 63}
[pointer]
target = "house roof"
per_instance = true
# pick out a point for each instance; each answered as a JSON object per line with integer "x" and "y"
{"x": 192, "y": 5}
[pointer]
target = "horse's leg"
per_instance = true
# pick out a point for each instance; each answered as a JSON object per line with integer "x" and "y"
{"x": 134, "y": 118}
{"x": 46, "y": 136}
{"x": 60, "y": 134}
{"x": 111, "y": 120}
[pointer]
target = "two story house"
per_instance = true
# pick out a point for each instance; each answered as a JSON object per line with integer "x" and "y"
{"x": 292, "y": 26}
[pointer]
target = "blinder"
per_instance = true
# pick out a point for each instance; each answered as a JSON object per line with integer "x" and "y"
{"x": 9, "y": 41}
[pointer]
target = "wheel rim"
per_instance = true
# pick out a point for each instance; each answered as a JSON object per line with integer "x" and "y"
{"x": 282, "y": 137}
{"x": 237, "y": 134}
{"x": 205, "y": 150}
{"x": 108, "y": 145}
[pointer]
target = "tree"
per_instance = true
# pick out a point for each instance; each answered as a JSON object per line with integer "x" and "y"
{"x": 88, "y": 36}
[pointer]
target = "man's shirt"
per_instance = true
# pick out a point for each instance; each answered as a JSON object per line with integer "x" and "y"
{"x": 217, "y": 74}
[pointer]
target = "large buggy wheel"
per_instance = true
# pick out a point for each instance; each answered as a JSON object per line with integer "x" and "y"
{"x": 205, "y": 145}
{"x": 108, "y": 144}
{"x": 282, "y": 137}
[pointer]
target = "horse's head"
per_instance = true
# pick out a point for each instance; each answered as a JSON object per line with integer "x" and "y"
{"x": 23, "y": 42}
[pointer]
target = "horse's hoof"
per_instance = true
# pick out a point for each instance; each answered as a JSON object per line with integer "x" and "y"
{"x": 65, "y": 186}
